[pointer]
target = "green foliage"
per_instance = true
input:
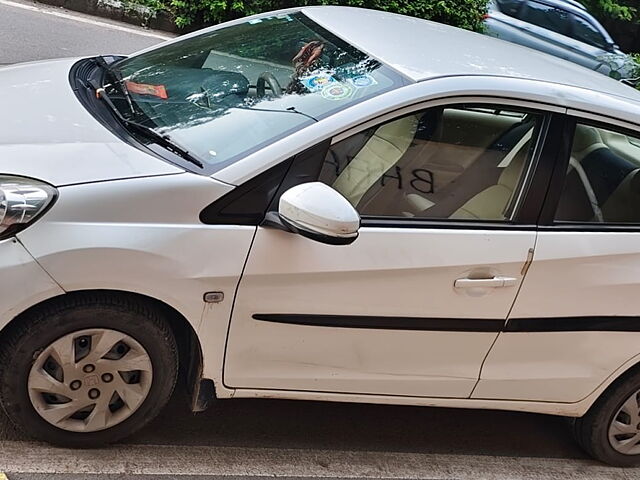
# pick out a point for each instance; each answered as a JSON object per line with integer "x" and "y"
{"x": 623, "y": 67}
{"x": 636, "y": 73}
{"x": 461, "y": 13}
{"x": 618, "y": 9}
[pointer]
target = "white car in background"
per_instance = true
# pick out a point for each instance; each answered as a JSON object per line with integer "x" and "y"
{"x": 309, "y": 204}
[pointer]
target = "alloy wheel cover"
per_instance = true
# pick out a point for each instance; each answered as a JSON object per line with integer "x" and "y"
{"x": 624, "y": 429}
{"x": 90, "y": 380}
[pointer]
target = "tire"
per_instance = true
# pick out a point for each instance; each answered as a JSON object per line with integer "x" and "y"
{"x": 592, "y": 431}
{"x": 142, "y": 385}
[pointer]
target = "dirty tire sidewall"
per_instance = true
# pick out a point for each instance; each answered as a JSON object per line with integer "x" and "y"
{"x": 592, "y": 430}
{"x": 39, "y": 329}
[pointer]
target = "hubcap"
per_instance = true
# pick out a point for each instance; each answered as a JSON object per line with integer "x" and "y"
{"x": 90, "y": 380}
{"x": 624, "y": 431}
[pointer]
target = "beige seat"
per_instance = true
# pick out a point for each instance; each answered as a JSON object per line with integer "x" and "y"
{"x": 621, "y": 204}
{"x": 381, "y": 152}
{"x": 585, "y": 141}
{"x": 491, "y": 203}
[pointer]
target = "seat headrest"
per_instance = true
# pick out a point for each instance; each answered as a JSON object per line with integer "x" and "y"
{"x": 398, "y": 133}
{"x": 585, "y": 137}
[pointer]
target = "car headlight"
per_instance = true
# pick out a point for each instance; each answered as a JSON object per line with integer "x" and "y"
{"x": 22, "y": 200}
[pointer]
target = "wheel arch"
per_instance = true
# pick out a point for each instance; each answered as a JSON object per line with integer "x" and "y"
{"x": 630, "y": 368}
{"x": 624, "y": 371}
{"x": 190, "y": 356}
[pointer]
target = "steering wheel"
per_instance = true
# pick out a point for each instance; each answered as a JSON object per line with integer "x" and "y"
{"x": 268, "y": 78}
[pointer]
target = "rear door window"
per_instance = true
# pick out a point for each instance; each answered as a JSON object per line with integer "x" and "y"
{"x": 602, "y": 184}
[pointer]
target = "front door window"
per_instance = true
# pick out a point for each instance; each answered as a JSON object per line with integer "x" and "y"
{"x": 452, "y": 163}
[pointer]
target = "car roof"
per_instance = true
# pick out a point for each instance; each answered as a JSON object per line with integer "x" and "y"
{"x": 423, "y": 50}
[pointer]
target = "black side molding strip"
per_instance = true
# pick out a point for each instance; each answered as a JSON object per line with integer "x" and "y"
{"x": 386, "y": 323}
{"x": 514, "y": 325}
{"x": 574, "y": 324}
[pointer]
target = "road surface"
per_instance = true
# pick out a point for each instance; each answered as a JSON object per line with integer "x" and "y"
{"x": 31, "y": 31}
{"x": 255, "y": 438}
{"x": 251, "y": 438}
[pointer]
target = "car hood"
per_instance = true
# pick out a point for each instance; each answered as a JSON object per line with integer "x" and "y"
{"x": 45, "y": 132}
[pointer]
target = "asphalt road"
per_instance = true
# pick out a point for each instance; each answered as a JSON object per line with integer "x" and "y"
{"x": 255, "y": 438}
{"x": 31, "y": 31}
{"x": 249, "y": 438}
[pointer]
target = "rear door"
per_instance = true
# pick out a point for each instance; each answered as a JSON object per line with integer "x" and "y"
{"x": 576, "y": 320}
{"x": 414, "y": 305}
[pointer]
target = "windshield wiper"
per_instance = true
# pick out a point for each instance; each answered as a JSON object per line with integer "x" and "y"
{"x": 102, "y": 63}
{"x": 163, "y": 140}
{"x": 275, "y": 110}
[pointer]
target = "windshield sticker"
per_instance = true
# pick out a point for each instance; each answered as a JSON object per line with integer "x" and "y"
{"x": 363, "y": 81}
{"x": 146, "y": 89}
{"x": 317, "y": 82}
{"x": 337, "y": 91}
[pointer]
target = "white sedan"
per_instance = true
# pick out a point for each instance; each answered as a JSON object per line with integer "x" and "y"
{"x": 326, "y": 204}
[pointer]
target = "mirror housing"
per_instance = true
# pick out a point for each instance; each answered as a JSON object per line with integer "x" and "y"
{"x": 317, "y": 211}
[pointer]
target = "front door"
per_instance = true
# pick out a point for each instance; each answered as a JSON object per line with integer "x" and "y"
{"x": 414, "y": 304}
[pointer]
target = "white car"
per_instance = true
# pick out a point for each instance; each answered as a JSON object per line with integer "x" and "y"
{"x": 310, "y": 204}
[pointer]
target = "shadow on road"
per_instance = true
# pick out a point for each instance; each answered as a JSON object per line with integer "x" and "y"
{"x": 344, "y": 426}
{"x": 301, "y": 424}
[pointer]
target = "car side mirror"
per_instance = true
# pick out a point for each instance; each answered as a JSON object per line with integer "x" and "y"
{"x": 317, "y": 211}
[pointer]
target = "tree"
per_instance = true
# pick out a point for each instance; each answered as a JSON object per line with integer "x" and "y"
{"x": 617, "y": 9}
{"x": 461, "y": 13}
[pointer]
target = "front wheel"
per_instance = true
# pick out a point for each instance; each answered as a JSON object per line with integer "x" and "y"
{"x": 87, "y": 370}
{"x": 610, "y": 431}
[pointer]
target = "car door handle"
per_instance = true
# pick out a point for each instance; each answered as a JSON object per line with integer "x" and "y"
{"x": 493, "y": 282}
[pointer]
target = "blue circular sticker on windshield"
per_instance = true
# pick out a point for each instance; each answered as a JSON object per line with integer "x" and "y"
{"x": 317, "y": 82}
{"x": 363, "y": 81}
{"x": 337, "y": 91}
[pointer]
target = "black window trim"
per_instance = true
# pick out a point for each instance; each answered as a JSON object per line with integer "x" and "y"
{"x": 547, "y": 222}
{"x": 240, "y": 207}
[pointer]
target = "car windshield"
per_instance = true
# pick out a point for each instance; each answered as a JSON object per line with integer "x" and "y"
{"x": 226, "y": 93}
